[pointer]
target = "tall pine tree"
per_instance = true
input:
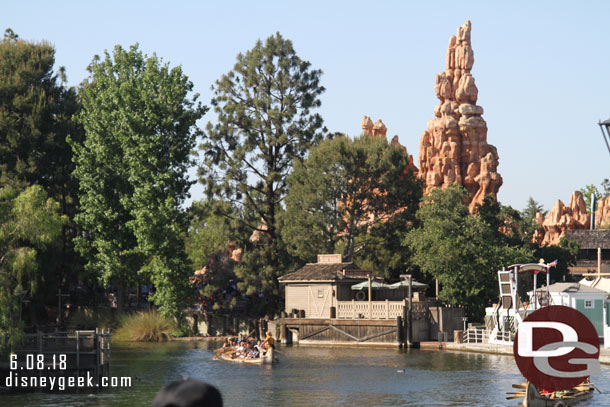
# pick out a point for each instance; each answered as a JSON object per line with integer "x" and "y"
{"x": 265, "y": 123}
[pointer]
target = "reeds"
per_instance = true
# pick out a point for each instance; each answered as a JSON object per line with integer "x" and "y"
{"x": 148, "y": 326}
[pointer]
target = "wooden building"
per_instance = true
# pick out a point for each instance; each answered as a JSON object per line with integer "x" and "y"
{"x": 317, "y": 287}
{"x": 336, "y": 302}
{"x": 594, "y": 254}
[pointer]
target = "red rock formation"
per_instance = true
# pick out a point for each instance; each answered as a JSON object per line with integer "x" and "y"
{"x": 602, "y": 213}
{"x": 562, "y": 218}
{"x": 376, "y": 130}
{"x": 380, "y": 130}
{"x": 454, "y": 148}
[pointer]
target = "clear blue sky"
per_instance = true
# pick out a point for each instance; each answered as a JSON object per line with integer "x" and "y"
{"x": 542, "y": 68}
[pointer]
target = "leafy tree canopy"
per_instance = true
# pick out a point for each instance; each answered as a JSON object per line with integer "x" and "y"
{"x": 463, "y": 251}
{"x": 358, "y": 194}
{"x": 592, "y": 190}
{"x": 29, "y": 221}
{"x": 132, "y": 166}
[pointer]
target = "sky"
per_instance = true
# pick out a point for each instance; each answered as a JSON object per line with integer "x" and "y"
{"x": 541, "y": 67}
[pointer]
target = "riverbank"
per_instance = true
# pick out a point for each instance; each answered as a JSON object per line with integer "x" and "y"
{"x": 604, "y": 354}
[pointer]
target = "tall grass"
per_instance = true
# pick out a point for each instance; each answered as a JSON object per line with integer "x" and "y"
{"x": 88, "y": 318}
{"x": 147, "y": 326}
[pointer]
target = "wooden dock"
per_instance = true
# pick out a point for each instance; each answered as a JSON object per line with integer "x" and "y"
{"x": 340, "y": 331}
{"x": 84, "y": 352}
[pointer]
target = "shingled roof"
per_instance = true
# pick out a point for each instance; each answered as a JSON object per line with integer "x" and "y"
{"x": 572, "y": 288}
{"x": 590, "y": 239}
{"x": 325, "y": 272}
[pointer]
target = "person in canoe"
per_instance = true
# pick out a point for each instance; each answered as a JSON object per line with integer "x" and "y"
{"x": 269, "y": 342}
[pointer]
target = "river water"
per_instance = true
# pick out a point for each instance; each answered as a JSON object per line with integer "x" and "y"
{"x": 311, "y": 376}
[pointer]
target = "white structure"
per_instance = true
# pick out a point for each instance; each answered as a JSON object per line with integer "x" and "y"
{"x": 590, "y": 301}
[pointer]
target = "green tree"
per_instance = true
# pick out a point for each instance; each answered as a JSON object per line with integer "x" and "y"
{"x": 462, "y": 251}
{"x": 209, "y": 236}
{"x": 358, "y": 194}
{"x": 531, "y": 209}
{"x": 588, "y": 191}
{"x": 36, "y": 110}
{"x": 528, "y": 225}
{"x": 209, "y": 230}
{"x": 29, "y": 221}
{"x": 132, "y": 166}
{"x": 265, "y": 122}
{"x": 606, "y": 187}
{"x": 565, "y": 253}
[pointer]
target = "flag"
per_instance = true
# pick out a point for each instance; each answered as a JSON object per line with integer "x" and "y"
{"x": 553, "y": 264}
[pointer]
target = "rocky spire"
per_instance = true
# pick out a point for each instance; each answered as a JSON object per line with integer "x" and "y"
{"x": 376, "y": 130}
{"x": 454, "y": 147}
{"x": 561, "y": 218}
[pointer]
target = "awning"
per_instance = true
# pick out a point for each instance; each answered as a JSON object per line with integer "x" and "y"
{"x": 405, "y": 284}
{"x": 365, "y": 286}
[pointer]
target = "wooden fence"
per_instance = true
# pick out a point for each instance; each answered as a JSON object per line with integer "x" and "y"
{"x": 83, "y": 350}
{"x": 370, "y": 310}
{"x": 380, "y": 309}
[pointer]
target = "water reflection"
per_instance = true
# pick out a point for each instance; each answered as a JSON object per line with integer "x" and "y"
{"x": 311, "y": 376}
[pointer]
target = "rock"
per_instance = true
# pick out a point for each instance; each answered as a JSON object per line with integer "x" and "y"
{"x": 380, "y": 130}
{"x": 602, "y": 213}
{"x": 376, "y": 130}
{"x": 562, "y": 218}
{"x": 367, "y": 125}
{"x": 454, "y": 147}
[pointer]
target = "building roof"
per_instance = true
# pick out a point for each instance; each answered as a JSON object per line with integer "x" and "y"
{"x": 572, "y": 288}
{"x": 590, "y": 239}
{"x": 599, "y": 283}
{"x": 325, "y": 272}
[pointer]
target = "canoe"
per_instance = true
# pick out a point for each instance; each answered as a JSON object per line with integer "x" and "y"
{"x": 267, "y": 358}
{"x": 573, "y": 396}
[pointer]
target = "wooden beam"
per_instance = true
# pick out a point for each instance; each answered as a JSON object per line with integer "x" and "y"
{"x": 366, "y": 338}
{"x": 344, "y": 333}
{"x": 319, "y": 331}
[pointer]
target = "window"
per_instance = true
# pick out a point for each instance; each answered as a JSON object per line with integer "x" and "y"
{"x": 589, "y": 304}
{"x": 320, "y": 293}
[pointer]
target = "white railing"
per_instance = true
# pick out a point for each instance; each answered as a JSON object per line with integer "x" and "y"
{"x": 476, "y": 335}
{"x": 374, "y": 310}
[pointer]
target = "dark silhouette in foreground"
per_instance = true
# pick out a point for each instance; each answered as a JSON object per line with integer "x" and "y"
{"x": 188, "y": 393}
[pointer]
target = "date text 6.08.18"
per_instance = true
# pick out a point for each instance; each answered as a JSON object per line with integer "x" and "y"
{"x": 37, "y": 361}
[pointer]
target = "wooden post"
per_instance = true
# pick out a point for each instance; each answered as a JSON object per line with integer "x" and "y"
{"x": 410, "y": 314}
{"x": 387, "y": 309}
{"x": 599, "y": 262}
{"x": 96, "y": 345}
{"x": 370, "y": 298}
{"x": 77, "y": 353}
{"x": 400, "y": 331}
{"x": 535, "y": 297}
{"x": 353, "y": 309}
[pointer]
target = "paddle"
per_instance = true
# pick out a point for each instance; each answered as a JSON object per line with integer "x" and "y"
{"x": 520, "y": 386}
{"x": 513, "y": 397}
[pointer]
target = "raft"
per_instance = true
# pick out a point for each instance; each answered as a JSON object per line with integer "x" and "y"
{"x": 266, "y": 358}
{"x": 533, "y": 398}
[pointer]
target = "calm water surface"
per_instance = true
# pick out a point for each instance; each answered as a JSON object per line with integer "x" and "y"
{"x": 311, "y": 376}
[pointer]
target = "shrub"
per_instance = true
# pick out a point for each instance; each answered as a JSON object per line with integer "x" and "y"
{"x": 149, "y": 326}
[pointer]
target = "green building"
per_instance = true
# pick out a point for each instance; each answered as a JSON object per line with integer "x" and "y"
{"x": 592, "y": 302}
